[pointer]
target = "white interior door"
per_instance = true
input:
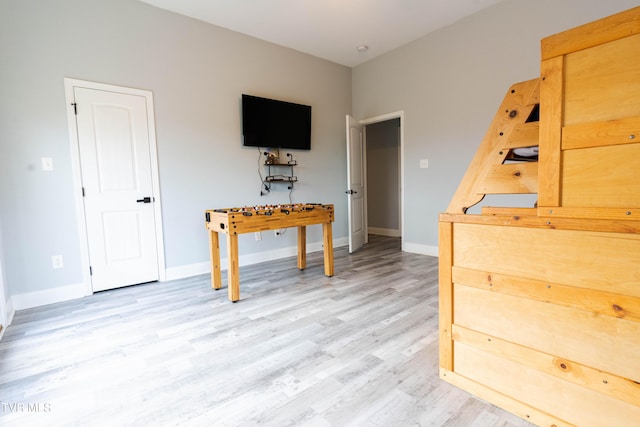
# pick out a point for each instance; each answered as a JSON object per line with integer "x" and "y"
{"x": 115, "y": 160}
{"x": 355, "y": 185}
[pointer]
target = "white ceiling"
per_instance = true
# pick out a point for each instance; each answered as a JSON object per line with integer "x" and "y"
{"x": 330, "y": 29}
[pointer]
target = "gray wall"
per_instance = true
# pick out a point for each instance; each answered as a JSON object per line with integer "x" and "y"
{"x": 197, "y": 73}
{"x": 450, "y": 84}
{"x": 383, "y": 175}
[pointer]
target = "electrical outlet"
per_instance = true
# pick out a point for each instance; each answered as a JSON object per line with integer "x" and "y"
{"x": 56, "y": 261}
{"x": 258, "y": 235}
{"x": 424, "y": 163}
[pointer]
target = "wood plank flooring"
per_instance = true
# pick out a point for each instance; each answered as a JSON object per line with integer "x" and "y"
{"x": 299, "y": 349}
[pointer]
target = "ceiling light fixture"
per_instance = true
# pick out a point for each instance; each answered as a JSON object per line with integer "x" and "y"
{"x": 363, "y": 48}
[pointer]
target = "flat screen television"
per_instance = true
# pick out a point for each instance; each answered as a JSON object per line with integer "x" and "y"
{"x": 270, "y": 123}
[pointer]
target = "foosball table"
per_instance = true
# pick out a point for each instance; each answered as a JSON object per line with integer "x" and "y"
{"x": 236, "y": 221}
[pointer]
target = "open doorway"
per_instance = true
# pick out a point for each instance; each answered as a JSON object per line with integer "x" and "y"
{"x": 386, "y": 170}
{"x": 384, "y": 160}
{"x": 383, "y": 178}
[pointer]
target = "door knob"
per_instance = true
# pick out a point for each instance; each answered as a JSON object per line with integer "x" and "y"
{"x": 145, "y": 200}
{"x": 351, "y": 192}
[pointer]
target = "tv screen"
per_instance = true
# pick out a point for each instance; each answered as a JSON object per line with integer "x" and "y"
{"x": 270, "y": 123}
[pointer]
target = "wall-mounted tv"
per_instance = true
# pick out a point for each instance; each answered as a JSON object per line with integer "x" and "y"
{"x": 270, "y": 123}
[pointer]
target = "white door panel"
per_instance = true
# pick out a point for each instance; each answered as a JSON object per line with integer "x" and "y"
{"x": 115, "y": 162}
{"x": 122, "y": 236}
{"x": 115, "y": 148}
{"x": 355, "y": 185}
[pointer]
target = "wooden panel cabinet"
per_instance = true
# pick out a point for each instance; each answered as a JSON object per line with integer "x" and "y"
{"x": 540, "y": 307}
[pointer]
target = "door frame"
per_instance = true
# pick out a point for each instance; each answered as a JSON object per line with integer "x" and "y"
{"x": 383, "y": 118}
{"x": 69, "y": 85}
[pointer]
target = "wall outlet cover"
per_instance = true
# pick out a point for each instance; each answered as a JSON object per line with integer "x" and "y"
{"x": 57, "y": 261}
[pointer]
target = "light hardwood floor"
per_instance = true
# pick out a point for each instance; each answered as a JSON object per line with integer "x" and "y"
{"x": 299, "y": 349}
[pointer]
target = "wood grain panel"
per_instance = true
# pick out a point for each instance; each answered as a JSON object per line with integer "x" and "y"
{"x": 601, "y": 83}
{"x": 516, "y": 106}
{"x": 614, "y": 220}
{"x": 509, "y": 211}
{"x": 594, "y": 260}
{"x": 518, "y": 407}
{"x": 592, "y": 34}
{"x": 445, "y": 292}
{"x": 604, "y": 303}
{"x": 512, "y": 178}
{"x": 594, "y": 379}
{"x": 601, "y": 342}
{"x": 624, "y": 220}
{"x": 568, "y": 401}
{"x": 598, "y": 134}
{"x": 524, "y": 135}
{"x": 233, "y": 221}
{"x": 546, "y": 301}
{"x": 551, "y": 87}
{"x": 602, "y": 177}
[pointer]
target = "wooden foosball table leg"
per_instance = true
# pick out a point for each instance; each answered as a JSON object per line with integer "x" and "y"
{"x": 233, "y": 272}
{"x": 327, "y": 240}
{"x": 302, "y": 247}
{"x": 214, "y": 253}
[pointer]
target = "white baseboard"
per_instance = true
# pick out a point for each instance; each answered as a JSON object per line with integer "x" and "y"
{"x": 79, "y": 290}
{"x": 389, "y": 232}
{"x": 11, "y": 311}
{"x": 190, "y": 270}
{"x": 420, "y": 249}
{"x": 48, "y": 296}
{"x": 337, "y": 243}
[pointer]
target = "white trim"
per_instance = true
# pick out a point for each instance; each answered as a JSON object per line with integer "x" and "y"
{"x": 48, "y": 296}
{"x": 382, "y": 118}
{"x": 69, "y": 85}
{"x": 10, "y": 312}
{"x": 365, "y": 173}
{"x": 71, "y": 292}
{"x": 196, "y": 269}
{"x": 384, "y": 231}
{"x": 190, "y": 270}
{"x": 417, "y": 248}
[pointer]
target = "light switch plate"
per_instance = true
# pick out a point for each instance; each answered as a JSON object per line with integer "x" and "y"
{"x": 47, "y": 164}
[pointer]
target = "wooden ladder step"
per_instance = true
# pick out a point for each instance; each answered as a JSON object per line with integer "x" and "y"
{"x": 513, "y": 126}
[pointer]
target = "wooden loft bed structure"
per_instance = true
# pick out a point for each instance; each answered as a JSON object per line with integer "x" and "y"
{"x": 540, "y": 306}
